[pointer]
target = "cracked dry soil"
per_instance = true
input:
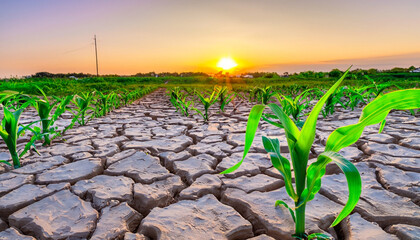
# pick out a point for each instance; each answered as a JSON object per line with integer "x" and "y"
{"x": 146, "y": 172}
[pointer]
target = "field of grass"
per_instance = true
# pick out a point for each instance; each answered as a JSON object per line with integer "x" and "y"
{"x": 61, "y": 86}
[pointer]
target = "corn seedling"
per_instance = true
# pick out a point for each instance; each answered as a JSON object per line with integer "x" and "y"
{"x": 263, "y": 95}
{"x": 308, "y": 179}
{"x": 184, "y": 105}
{"x": 207, "y": 102}
{"x": 175, "y": 95}
{"x": 82, "y": 102}
{"x": 10, "y": 132}
{"x": 13, "y": 100}
{"x": 224, "y": 96}
{"x": 179, "y": 100}
{"x": 355, "y": 98}
{"x": 374, "y": 90}
{"x": 294, "y": 106}
{"x": 334, "y": 99}
{"x": 104, "y": 104}
{"x": 128, "y": 97}
{"x": 44, "y": 107}
{"x": 7, "y": 97}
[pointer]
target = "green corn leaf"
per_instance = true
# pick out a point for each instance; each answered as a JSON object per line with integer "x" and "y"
{"x": 381, "y": 127}
{"x": 42, "y": 92}
{"x": 272, "y": 146}
{"x": 30, "y": 144}
{"x": 271, "y": 122}
{"x": 6, "y": 162}
{"x": 3, "y": 133}
{"x": 21, "y": 130}
{"x": 317, "y": 169}
{"x": 307, "y": 135}
{"x": 320, "y": 236}
{"x": 5, "y": 95}
{"x": 9, "y": 130}
{"x": 287, "y": 98}
{"x": 297, "y": 98}
{"x": 292, "y": 131}
{"x": 202, "y": 99}
{"x": 61, "y": 108}
{"x": 251, "y": 128}
{"x": 282, "y": 203}
{"x": 374, "y": 113}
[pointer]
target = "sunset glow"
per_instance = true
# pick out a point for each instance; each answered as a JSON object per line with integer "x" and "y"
{"x": 226, "y": 63}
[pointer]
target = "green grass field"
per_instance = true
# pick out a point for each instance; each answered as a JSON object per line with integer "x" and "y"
{"x": 60, "y": 86}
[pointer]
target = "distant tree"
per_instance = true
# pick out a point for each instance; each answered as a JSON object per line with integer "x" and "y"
{"x": 398, "y": 70}
{"x": 43, "y": 75}
{"x": 335, "y": 73}
{"x": 271, "y": 75}
{"x": 372, "y": 71}
{"x": 319, "y": 75}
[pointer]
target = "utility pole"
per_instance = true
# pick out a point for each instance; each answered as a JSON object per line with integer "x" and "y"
{"x": 96, "y": 53}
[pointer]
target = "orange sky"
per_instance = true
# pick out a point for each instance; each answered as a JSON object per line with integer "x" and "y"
{"x": 190, "y": 35}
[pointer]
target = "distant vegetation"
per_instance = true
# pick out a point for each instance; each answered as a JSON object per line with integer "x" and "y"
{"x": 70, "y": 83}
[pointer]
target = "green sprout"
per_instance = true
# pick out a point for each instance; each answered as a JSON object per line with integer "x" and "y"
{"x": 355, "y": 98}
{"x": 224, "y": 96}
{"x": 207, "y": 103}
{"x": 295, "y": 106}
{"x": 105, "y": 103}
{"x": 334, "y": 99}
{"x": 10, "y": 131}
{"x": 83, "y": 103}
{"x": 308, "y": 179}
{"x": 180, "y": 102}
{"x": 44, "y": 107}
{"x": 263, "y": 94}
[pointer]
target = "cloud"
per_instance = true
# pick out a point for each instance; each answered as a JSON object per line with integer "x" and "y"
{"x": 380, "y": 62}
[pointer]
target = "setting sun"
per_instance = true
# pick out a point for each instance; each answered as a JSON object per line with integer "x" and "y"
{"x": 226, "y": 63}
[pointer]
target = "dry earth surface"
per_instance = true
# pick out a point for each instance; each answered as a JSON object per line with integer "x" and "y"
{"x": 146, "y": 172}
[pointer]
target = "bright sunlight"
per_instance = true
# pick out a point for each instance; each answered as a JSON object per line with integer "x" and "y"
{"x": 226, "y": 63}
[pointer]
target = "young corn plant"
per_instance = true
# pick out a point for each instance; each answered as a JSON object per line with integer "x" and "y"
{"x": 354, "y": 98}
{"x": 175, "y": 95}
{"x": 334, "y": 99}
{"x": 13, "y": 100}
{"x": 294, "y": 106}
{"x": 83, "y": 103}
{"x": 185, "y": 105}
{"x": 308, "y": 179}
{"x": 105, "y": 103}
{"x": 263, "y": 94}
{"x": 207, "y": 103}
{"x": 10, "y": 132}
{"x": 224, "y": 96}
{"x": 180, "y": 101}
{"x": 128, "y": 97}
{"x": 44, "y": 107}
{"x": 7, "y": 97}
{"x": 375, "y": 90}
